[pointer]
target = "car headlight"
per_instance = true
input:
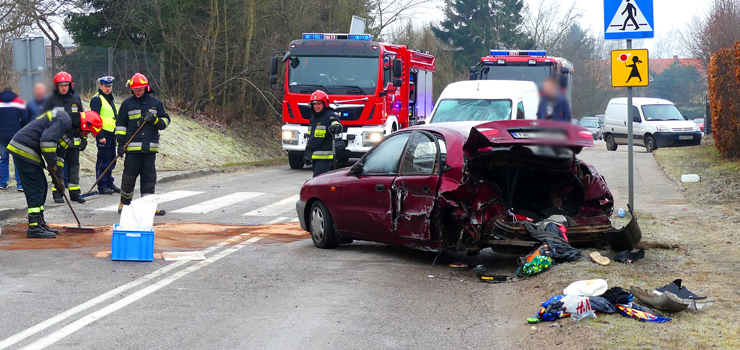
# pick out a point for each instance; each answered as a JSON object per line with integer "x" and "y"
{"x": 697, "y": 128}
{"x": 663, "y": 128}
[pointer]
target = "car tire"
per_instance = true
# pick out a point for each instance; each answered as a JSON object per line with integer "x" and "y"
{"x": 611, "y": 144}
{"x": 295, "y": 159}
{"x": 650, "y": 144}
{"x": 321, "y": 225}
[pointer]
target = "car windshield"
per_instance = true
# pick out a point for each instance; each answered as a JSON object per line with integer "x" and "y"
{"x": 535, "y": 74}
{"x": 661, "y": 112}
{"x": 458, "y": 110}
{"x": 335, "y": 74}
{"x": 589, "y": 123}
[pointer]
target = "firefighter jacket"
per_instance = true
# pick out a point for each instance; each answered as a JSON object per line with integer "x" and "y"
{"x": 320, "y": 139}
{"x": 70, "y": 103}
{"x": 105, "y": 105}
{"x": 131, "y": 115}
{"x": 45, "y": 139}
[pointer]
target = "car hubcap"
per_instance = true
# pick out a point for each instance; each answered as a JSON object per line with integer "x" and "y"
{"x": 317, "y": 224}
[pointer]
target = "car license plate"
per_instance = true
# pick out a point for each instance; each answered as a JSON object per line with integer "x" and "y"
{"x": 686, "y": 137}
{"x": 539, "y": 135}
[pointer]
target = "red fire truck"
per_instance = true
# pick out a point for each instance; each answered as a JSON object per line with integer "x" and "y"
{"x": 376, "y": 88}
{"x": 532, "y": 65}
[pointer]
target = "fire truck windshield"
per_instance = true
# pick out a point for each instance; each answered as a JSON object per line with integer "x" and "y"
{"x": 534, "y": 74}
{"x": 339, "y": 75}
{"x": 458, "y": 110}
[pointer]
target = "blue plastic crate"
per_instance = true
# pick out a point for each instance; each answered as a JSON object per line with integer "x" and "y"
{"x": 132, "y": 245}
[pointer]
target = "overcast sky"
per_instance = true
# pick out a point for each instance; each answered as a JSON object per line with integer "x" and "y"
{"x": 669, "y": 15}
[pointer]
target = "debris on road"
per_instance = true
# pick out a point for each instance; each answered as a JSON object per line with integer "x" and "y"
{"x": 690, "y": 178}
{"x": 587, "y": 288}
{"x": 629, "y": 257}
{"x": 672, "y": 297}
{"x": 599, "y": 259}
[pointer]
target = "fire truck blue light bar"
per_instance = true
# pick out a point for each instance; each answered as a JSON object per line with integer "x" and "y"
{"x": 518, "y": 53}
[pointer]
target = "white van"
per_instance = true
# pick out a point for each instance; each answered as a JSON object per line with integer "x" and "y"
{"x": 486, "y": 100}
{"x": 656, "y": 123}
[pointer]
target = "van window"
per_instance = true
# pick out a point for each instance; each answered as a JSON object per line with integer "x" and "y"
{"x": 520, "y": 110}
{"x": 661, "y": 113}
{"x": 457, "y": 110}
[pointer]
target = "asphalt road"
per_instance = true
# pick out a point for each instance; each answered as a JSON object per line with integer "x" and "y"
{"x": 255, "y": 292}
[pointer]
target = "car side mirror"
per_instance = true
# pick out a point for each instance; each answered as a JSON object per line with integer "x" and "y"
{"x": 356, "y": 169}
{"x": 272, "y": 80}
{"x": 273, "y": 66}
{"x": 390, "y": 87}
{"x": 397, "y": 69}
{"x": 636, "y": 119}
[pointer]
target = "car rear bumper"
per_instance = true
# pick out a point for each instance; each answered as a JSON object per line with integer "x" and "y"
{"x": 677, "y": 139}
{"x": 300, "y": 208}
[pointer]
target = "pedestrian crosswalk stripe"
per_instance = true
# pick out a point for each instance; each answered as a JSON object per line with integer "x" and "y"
{"x": 294, "y": 220}
{"x": 275, "y": 209}
{"x": 218, "y": 203}
{"x": 279, "y": 220}
{"x": 165, "y": 197}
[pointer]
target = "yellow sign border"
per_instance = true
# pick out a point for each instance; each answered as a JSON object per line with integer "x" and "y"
{"x": 613, "y": 59}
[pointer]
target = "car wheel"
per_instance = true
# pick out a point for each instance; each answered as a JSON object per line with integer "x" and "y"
{"x": 611, "y": 144}
{"x": 295, "y": 159}
{"x": 322, "y": 227}
{"x": 650, "y": 144}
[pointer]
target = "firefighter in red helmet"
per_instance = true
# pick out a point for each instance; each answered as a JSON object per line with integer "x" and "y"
{"x": 324, "y": 124}
{"x": 137, "y": 110}
{"x": 65, "y": 99}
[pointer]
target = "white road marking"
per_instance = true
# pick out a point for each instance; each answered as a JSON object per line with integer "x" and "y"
{"x": 218, "y": 203}
{"x": 7, "y": 342}
{"x": 81, "y": 323}
{"x": 277, "y": 221}
{"x": 275, "y": 209}
{"x": 164, "y": 197}
{"x": 294, "y": 220}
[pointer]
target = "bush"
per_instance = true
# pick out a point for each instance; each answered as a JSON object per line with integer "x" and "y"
{"x": 724, "y": 99}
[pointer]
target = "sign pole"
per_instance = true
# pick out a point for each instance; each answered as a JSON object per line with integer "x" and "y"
{"x": 630, "y": 157}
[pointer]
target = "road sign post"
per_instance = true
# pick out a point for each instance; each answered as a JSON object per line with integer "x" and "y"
{"x": 629, "y": 19}
{"x": 29, "y": 60}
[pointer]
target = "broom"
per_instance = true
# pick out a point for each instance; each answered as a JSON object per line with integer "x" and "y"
{"x": 72, "y": 229}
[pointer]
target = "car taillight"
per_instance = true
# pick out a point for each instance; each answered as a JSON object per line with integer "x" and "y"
{"x": 586, "y": 134}
{"x": 490, "y": 132}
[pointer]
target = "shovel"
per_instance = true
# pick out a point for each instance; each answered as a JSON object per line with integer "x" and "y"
{"x": 72, "y": 229}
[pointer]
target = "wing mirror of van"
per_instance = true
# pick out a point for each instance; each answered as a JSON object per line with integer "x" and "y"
{"x": 636, "y": 119}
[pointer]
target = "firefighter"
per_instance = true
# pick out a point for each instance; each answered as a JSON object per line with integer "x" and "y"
{"x": 64, "y": 99}
{"x": 43, "y": 143}
{"x": 319, "y": 150}
{"x": 141, "y": 108}
{"x": 105, "y": 104}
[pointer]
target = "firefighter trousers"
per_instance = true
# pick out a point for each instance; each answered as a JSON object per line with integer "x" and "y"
{"x": 139, "y": 165}
{"x": 321, "y": 166}
{"x": 72, "y": 165}
{"x": 35, "y": 186}
{"x": 106, "y": 155}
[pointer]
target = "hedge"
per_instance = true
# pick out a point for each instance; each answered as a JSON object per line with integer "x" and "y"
{"x": 724, "y": 99}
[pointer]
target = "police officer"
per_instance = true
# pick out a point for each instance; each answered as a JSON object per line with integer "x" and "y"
{"x": 141, "y": 108}
{"x": 104, "y": 104}
{"x": 319, "y": 150}
{"x": 42, "y": 143}
{"x": 64, "y": 99}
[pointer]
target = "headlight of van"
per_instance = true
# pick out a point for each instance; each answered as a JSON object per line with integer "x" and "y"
{"x": 663, "y": 128}
{"x": 697, "y": 128}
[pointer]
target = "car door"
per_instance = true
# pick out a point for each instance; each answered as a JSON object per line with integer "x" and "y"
{"x": 415, "y": 187}
{"x": 367, "y": 209}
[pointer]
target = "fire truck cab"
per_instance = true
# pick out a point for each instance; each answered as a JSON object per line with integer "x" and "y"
{"x": 526, "y": 65}
{"x": 375, "y": 88}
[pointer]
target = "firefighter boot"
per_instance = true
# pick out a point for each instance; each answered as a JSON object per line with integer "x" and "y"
{"x": 43, "y": 225}
{"x": 58, "y": 197}
{"x": 76, "y": 196}
{"x": 34, "y": 228}
{"x": 160, "y": 212}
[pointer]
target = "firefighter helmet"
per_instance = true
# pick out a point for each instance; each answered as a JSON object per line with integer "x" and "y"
{"x": 138, "y": 81}
{"x": 90, "y": 121}
{"x": 62, "y": 78}
{"x": 320, "y": 96}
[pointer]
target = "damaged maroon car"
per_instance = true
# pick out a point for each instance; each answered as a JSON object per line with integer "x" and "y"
{"x": 465, "y": 187}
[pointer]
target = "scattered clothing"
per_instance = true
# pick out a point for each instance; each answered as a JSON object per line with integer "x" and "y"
{"x": 561, "y": 253}
{"x": 680, "y": 291}
{"x": 538, "y": 264}
{"x": 640, "y": 315}
{"x": 600, "y": 304}
{"x": 586, "y": 288}
{"x": 617, "y": 295}
{"x": 545, "y": 231}
{"x": 628, "y": 257}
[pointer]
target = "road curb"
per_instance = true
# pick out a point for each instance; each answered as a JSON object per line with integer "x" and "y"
{"x": 10, "y": 213}
{"x": 189, "y": 175}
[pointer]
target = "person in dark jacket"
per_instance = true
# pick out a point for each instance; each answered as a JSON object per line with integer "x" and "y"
{"x": 66, "y": 100}
{"x": 145, "y": 111}
{"x": 36, "y": 104}
{"x": 553, "y": 103}
{"x": 324, "y": 124}
{"x": 42, "y": 144}
{"x": 13, "y": 116}
{"x": 104, "y": 104}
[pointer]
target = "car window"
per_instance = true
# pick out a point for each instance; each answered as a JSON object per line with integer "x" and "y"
{"x": 384, "y": 159}
{"x": 420, "y": 157}
{"x": 520, "y": 110}
{"x": 458, "y": 110}
{"x": 661, "y": 113}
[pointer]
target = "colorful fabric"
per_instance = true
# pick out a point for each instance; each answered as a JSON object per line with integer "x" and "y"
{"x": 538, "y": 264}
{"x": 640, "y": 315}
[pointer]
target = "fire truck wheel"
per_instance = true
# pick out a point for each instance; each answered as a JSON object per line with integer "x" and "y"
{"x": 295, "y": 159}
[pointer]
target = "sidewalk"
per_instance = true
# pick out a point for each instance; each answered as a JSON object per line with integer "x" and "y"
{"x": 13, "y": 203}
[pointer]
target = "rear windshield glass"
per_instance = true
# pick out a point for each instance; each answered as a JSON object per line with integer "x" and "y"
{"x": 457, "y": 110}
{"x": 589, "y": 123}
{"x": 661, "y": 112}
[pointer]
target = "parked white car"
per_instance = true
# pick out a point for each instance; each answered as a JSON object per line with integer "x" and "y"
{"x": 486, "y": 100}
{"x": 656, "y": 123}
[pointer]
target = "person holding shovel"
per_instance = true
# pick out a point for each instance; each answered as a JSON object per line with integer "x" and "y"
{"x": 138, "y": 123}
{"x": 43, "y": 144}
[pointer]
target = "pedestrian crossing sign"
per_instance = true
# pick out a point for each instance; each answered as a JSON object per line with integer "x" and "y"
{"x": 630, "y": 68}
{"x": 628, "y": 19}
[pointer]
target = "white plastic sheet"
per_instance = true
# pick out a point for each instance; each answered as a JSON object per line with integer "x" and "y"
{"x": 139, "y": 216}
{"x": 578, "y": 306}
{"x": 586, "y": 288}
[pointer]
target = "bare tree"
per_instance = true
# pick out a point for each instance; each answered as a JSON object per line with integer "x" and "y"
{"x": 717, "y": 28}
{"x": 549, "y": 22}
{"x": 385, "y": 13}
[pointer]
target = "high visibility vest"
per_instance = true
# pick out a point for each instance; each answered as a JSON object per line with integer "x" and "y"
{"x": 106, "y": 113}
